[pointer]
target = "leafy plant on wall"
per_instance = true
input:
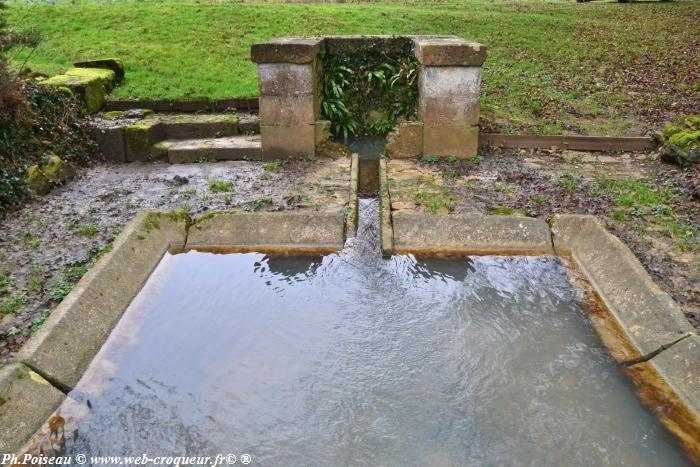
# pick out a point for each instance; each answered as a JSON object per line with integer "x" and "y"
{"x": 369, "y": 89}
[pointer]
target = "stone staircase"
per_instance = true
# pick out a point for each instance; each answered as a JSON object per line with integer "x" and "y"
{"x": 139, "y": 135}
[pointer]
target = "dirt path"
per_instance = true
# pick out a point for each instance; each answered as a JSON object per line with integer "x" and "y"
{"x": 645, "y": 202}
{"x": 48, "y": 245}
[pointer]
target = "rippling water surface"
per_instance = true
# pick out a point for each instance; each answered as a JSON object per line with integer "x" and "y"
{"x": 348, "y": 359}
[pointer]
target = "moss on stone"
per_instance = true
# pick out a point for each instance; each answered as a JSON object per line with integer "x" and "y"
{"x": 138, "y": 135}
{"x": 91, "y": 84}
{"x": 114, "y": 115}
{"x": 41, "y": 178}
{"x": 114, "y": 64}
{"x": 506, "y": 211}
{"x": 685, "y": 139}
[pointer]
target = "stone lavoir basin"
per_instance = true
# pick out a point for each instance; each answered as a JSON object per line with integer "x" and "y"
{"x": 328, "y": 337}
{"x": 294, "y": 354}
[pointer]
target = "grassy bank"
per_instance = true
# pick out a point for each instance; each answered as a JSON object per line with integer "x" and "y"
{"x": 553, "y": 67}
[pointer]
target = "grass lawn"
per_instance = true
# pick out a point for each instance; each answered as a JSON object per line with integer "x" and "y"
{"x": 553, "y": 67}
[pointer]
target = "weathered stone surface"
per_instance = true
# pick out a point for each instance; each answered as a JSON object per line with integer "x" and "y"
{"x": 281, "y": 142}
{"x": 286, "y": 79}
{"x": 405, "y": 141}
{"x": 91, "y": 84}
{"x": 140, "y": 138}
{"x": 190, "y": 126}
{"x": 461, "y": 142}
{"x": 323, "y": 131}
{"x": 26, "y": 401}
{"x": 111, "y": 142}
{"x": 294, "y": 109}
{"x": 232, "y": 148}
{"x": 649, "y": 317}
{"x": 352, "y": 44}
{"x": 114, "y": 64}
{"x": 41, "y": 178}
{"x": 64, "y": 346}
{"x": 449, "y": 95}
{"x": 680, "y": 366}
{"x": 386, "y": 227}
{"x": 352, "y": 217}
{"x": 449, "y": 51}
{"x": 287, "y": 50}
{"x": 470, "y": 233}
{"x": 277, "y": 230}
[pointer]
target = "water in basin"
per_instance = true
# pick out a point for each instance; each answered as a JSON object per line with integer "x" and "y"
{"x": 348, "y": 359}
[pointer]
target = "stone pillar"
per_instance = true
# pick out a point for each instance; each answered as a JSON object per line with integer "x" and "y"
{"x": 448, "y": 94}
{"x": 288, "y": 76}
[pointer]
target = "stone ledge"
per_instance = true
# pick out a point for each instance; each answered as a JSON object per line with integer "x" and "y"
{"x": 680, "y": 368}
{"x": 648, "y": 316}
{"x": 26, "y": 401}
{"x": 470, "y": 234}
{"x": 287, "y": 50}
{"x": 386, "y": 227}
{"x": 65, "y": 345}
{"x": 352, "y": 217}
{"x": 269, "y": 231}
{"x": 449, "y": 51}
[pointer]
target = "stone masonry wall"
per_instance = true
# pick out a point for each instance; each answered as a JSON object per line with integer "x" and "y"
{"x": 448, "y": 103}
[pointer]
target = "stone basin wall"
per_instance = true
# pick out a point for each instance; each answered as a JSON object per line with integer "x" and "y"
{"x": 289, "y": 74}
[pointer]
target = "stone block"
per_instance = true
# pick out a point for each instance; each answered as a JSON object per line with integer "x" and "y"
{"x": 26, "y": 401}
{"x": 292, "y": 109}
{"x": 461, "y": 142}
{"x": 449, "y": 95}
{"x": 43, "y": 177}
{"x": 287, "y": 50}
{"x": 323, "y": 131}
{"x": 405, "y": 141}
{"x": 286, "y": 79}
{"x": 281, "y": 142}
{"x": 111, "y": 142}
{"x": 90, "y": 84}
{"x": 469, "y": 233}
{"x": 449, "y": 51}
{"x": 269, "y": 230}
{"x": 114, "y": 64}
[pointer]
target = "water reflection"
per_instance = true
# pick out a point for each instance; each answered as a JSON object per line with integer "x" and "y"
{"x": 348, "y": 359}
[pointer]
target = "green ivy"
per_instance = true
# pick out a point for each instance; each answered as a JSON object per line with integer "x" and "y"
{"x": 48, "y": 124}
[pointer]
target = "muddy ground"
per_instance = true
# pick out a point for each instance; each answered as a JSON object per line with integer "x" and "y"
{"x": 645, "y": 202}
{"x": 51, "y": 242}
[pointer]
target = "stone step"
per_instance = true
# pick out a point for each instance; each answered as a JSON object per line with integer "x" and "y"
{"x": 230, "y": 148}
{"x": 135, "y": 135}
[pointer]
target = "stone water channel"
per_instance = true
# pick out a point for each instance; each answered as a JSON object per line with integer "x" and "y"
{"x": 351, "y": 359}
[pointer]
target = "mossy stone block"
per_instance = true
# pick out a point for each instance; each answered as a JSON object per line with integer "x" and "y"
{"x": 41, "y": 178}
{"x": 91, "y": 84}
{"x": 114, "y": 64}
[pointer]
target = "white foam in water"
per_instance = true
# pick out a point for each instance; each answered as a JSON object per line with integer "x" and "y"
{"x": 352, "y": 360}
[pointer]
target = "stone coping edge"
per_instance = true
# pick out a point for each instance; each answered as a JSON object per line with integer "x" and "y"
{"x": 64, "y": 346}
{"x": 470, "y": 234}
{"x": 386, "y": 226}
{"x": 49, "y": 365}
{"x": 353, "y": 211}
{"x": 26, "y": 401}
{"x": 266, "y": 231}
